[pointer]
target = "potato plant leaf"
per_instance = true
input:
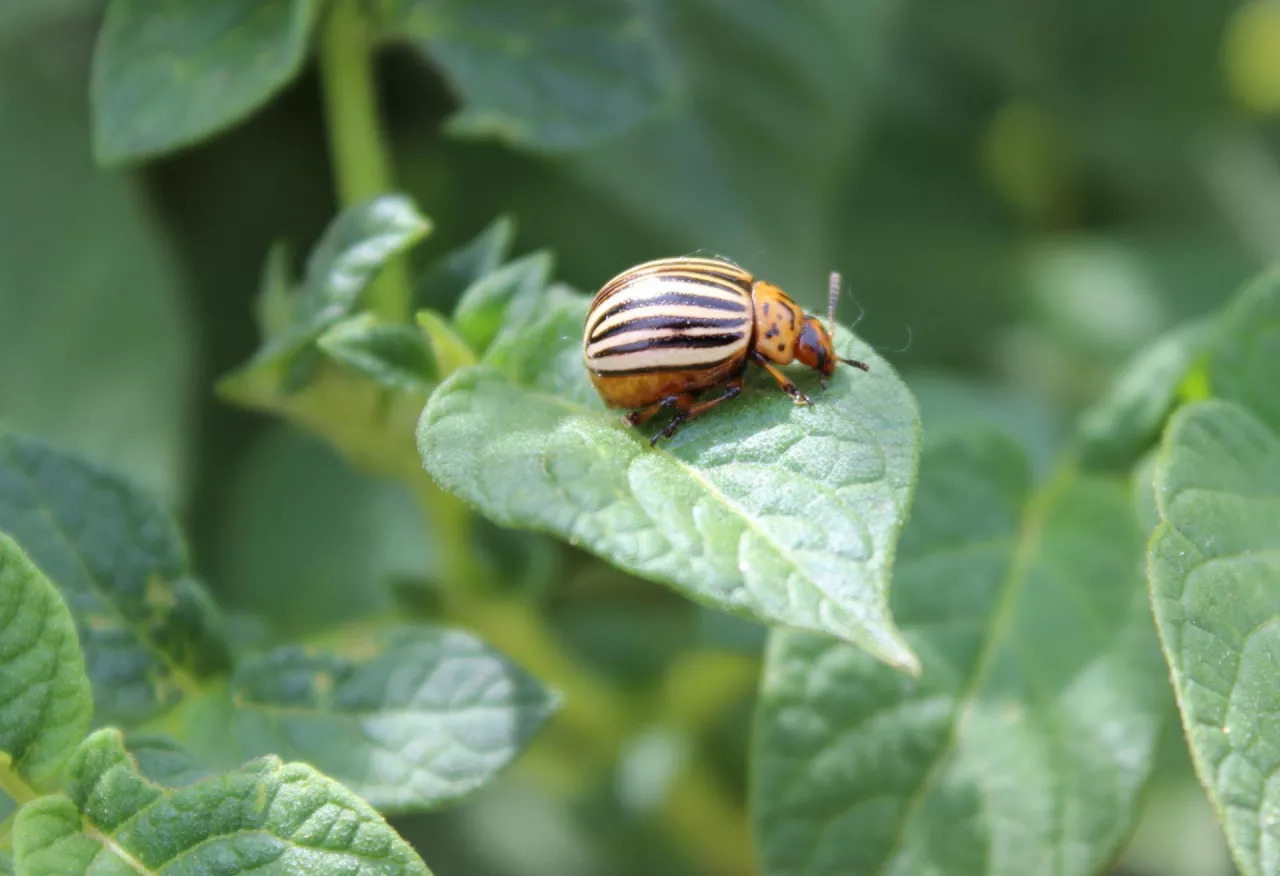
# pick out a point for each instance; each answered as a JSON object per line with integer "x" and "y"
{"x": 1023, "y": 746}
{"x": 443, "y": 283}
{"x": 265, "y": 817}
{"x": 362, "y": 387}
{"x": 392, "y": 355}
{"x": 166, "y": 76}
{"x": 45, "y": 700}
{"x": 552, "y": 75}
{"x": 1213, "y": 564}
{"x": 780, "y": 513}
{"x": 421, "y": 717}
{"x": 149, "y": 632}
{"x": 1244, "y": 364}
{"x": 1128, "y": 418}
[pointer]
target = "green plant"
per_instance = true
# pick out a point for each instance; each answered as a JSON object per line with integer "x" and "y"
{"x": 917, "y": 628}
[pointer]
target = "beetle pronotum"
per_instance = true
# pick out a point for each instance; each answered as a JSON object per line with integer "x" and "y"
{"x": 663, "y": 331}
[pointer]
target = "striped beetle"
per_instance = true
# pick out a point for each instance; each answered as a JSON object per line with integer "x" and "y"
{"x": 661, "y": 332}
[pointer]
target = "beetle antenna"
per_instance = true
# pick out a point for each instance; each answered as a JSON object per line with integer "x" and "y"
{"x": 833, "y": 295}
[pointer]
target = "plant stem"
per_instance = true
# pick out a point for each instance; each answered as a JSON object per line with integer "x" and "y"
{"x": 361, "y": 167}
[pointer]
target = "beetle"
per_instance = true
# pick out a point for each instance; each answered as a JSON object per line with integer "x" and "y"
{"x": 664, "y": 331}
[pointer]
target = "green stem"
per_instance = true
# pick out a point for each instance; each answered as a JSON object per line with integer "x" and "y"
{"x": 361, "y": 166}
{"x": 14, "y": 785}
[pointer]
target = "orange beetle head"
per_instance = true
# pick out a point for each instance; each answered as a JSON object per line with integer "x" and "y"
{"x": 813, "y": 348}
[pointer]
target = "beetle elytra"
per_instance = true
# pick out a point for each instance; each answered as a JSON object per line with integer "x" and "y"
{"x": 664, "y": 331}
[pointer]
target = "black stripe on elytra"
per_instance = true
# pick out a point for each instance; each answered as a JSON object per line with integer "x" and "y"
{"x": 672, "y": 323}
{"x": 682, "y": 299}
{"x": 669, "y": 341}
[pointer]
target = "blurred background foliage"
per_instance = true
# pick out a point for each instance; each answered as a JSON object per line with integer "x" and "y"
{"x": 1020, "y": 195}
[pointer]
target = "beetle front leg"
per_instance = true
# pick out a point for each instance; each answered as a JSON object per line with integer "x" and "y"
{"x": 783, "y": 383}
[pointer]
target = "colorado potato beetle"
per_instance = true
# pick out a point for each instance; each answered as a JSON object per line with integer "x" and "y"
{"x": 663, "y": 331}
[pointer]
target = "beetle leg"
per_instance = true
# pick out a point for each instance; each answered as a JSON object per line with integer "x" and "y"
{"x": 688, "y": 409}
{"x": 783, "y": 383}
{"x": 636, "y": 418}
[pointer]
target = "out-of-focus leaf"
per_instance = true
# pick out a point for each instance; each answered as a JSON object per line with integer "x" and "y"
{"x": 773, "y": 98}
{"x": 952, "y": 404}
{"x": 1213, "y": 567}
{"x": 339, "y": 548}
{"x": 451, "y": 349}
{"x": 1025, "y": 743}
{"x": 1244, "y": 363}
{"x": 267, "y": 816}
{"x": 445, "y": 281}
{"x": 392, "y": 355}
{"x": 292, "y": 376}
{"x": 1127, "y": 420}
{"x": 170, "y": 75}
{"x": 149, "y": 632}
{"x": 165, "y": 761}
{"x": 780, "y": 513}
{"x": 420, "y": 718}
{"x": 506, "y": 296}
{"x": 552, "y": 75}
{"x": 45, "y": 700}
{"x": 94, "y": 335}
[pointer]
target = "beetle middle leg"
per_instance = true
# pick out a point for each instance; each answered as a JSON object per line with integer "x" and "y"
{"x": 783, "y": 382}
{"x": 687, "y": 410}
{"x": 644, "y": 415}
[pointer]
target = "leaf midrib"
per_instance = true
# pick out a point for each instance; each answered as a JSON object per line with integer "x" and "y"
{"x": 708, "y": 486}
{"x": 1030, "y": 531}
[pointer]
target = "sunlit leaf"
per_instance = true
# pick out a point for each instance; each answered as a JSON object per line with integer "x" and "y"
{"x": 266, "y": 816}
{"x": 781, "y": 513}
{"x": 1213, "y": 566}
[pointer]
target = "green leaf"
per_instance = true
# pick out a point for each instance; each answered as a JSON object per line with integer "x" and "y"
{"x": 164, "y": 761}
{"x": 95, "y": 318}
{"x": 1244, "y": 364}
{"x": 419, "y": 718}
{"x": 6, "y": 863}
{"x": 450, "y": 349}
{"x": 48, "y": 842}
{"x": 1213, "y": 565}
{"x": 339, "y": 547}
{"x": 45, "y": 700}
{"x": 149, "y": 632}
{"x": 506, "y": 296}
{"x": 1025, "y": 743}
{"x": 445, "y": 281}
{"x": 553, "y": 75}
{"x": 773, "y": 103}
{"x": 295, "y": 377}
{"x": 1118, "y": 427}
{"x": 169, "y": 76}
{"x": 392, "y": 355}
{"x": 764, "y": 508}
{"x": 265, "y": 817}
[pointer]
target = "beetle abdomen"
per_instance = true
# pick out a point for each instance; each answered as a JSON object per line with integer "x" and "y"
{"x": 672, "y": 315}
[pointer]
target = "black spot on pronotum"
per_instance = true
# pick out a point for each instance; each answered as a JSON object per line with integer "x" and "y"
{"x": 766, "y": 308}
{"x": 781, "y": 347}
